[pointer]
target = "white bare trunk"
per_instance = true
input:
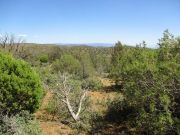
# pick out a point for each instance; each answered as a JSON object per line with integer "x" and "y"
{"x": 63, "y": 94}
{"x": 75, "y": 117}
{"x": 70, "y": 109}
{"x": 80, "y": 103}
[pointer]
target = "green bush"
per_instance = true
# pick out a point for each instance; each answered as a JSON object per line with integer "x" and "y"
{"x": 119, "y": 111}
{"x": 147, "y": 92}
{"x": 150, "y": 81}
{"x": 147, "y": 99}
{"x": 54, "y": 107}
{"x": 43, "y": 58}
{"x": 67, "y": 63}
{"x": 93, "y": 83}
{"x": 20, "y": 86}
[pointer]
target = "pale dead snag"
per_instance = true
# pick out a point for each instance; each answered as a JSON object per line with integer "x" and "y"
{"x": 63, "y": 93}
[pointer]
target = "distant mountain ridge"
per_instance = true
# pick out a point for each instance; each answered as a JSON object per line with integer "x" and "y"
{"x": 87, "y": 44}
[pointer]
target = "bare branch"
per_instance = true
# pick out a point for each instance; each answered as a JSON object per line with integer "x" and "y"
{"x": 80, "y": 103}
{"x": 11, "y": 43}
{"x": 63, "y": 93}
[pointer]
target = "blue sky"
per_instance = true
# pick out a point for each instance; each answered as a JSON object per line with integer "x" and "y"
{"x": 87, "y": 21}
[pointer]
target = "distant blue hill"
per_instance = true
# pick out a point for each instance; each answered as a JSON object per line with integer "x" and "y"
{"x": 101, "y": 44}
{"x": 87, "y": 44}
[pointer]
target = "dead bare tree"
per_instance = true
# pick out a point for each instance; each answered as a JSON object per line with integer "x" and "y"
{"x": 63, "y": 93}
{"x": 11, "y": 43}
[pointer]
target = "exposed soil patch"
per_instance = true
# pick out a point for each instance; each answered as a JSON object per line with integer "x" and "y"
{"x": 55, "y": 128}
{"x": 49, "y": 123}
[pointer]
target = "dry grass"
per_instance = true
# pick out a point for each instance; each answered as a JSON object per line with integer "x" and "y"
{"x": 49, "y": 123}
{"x": 55, "y": 128}
{"x": 42, "y": 112}
{"x": 107, "y": 82}
{"x": 100, "y": 99}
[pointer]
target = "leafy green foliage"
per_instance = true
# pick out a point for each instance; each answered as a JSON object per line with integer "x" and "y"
{"x": 150, "y": 80}
{"x": 54, "y": 107}
{"x": 20, "y": 86}
{"x": 147, "y": 93}
{"x": 43, "y": 58}
{"x": 67, "y": 63}
{"x": 87, "y": 66}
{"x": 93, "y": 83}
{"x": 116, "y": 59}
{"x": 119, "y": 110}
